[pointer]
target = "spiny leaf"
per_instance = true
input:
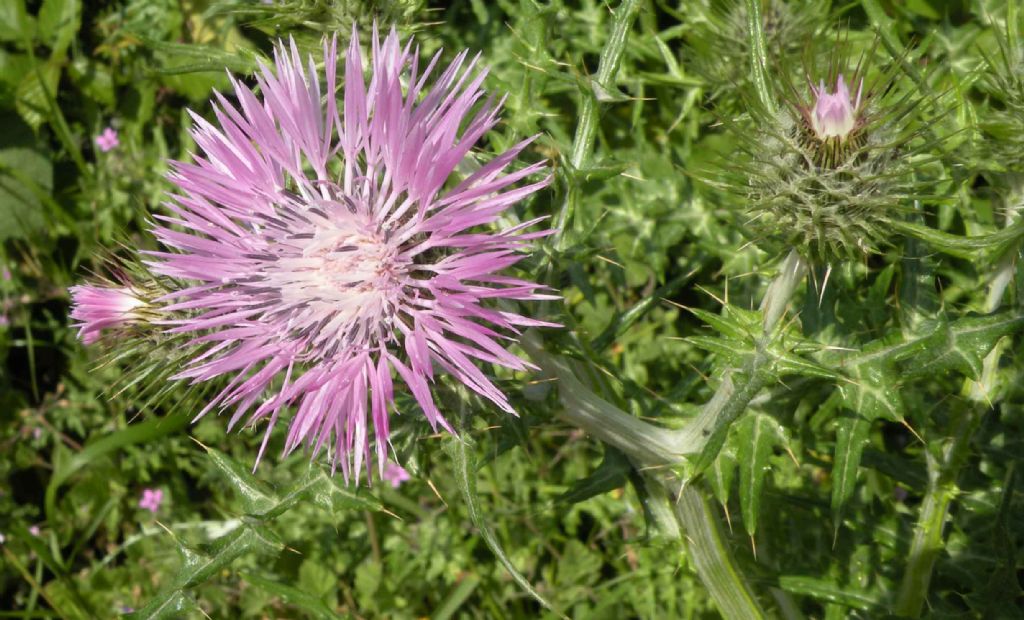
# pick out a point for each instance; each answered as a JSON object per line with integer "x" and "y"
{"x": 872, "y": 391}
{"x": 851, "y": 436}
{"x": 722, "y": 473}
{"x": 255, "y": 495}
{"x": 755, "y": 435}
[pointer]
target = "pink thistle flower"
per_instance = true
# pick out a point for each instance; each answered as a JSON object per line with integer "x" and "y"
{"x": 107, "y": 140}
{"x": 834, "y": 115}
{"x": 97, "y": 308}
{"x": 151, "y": 499}
{"x": 395, "y": 474}
{"x": 327, "y": 248}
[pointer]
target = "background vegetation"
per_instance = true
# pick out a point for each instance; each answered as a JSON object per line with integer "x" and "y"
{"x": 820, "y": 495}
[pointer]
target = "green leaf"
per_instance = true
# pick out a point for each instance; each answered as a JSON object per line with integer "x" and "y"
{"x": 58, "y": 22}
{"x": 872, "y": 391}
{"x": 458, "y": 449}
{"x": 721, "y": 474}
{"x": 755, "y": 434}
{"x": 15, "y": 23}
{"x": 35, "y": 88}
{"x": 828, "y": 591}
{"x": 255, "y": 496}
{"x": 308, "y": 603}
{"x": 851, "y": 436}
{"x": 610, "y": 474}
{"x": 26, "y": 175}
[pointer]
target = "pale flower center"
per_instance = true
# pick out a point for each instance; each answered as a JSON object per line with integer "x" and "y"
{"x": 340, "y": 282}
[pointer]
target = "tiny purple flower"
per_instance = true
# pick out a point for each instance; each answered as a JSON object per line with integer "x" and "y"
{"x": 107, "y": 140}
{"x": 4, "y": 321}
{"x": 98, "y": 307}
{"x": 5, "y": 273}
{"x": 834, "y": 114}
{"x": 151, "y": 499}
{"x": 34, "y": 530}
{"x": 322, "y": 244}
{"x": 395, "y": 474}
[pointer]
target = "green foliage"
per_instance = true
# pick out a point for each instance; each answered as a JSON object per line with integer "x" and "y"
{"x": 868, "y": 443}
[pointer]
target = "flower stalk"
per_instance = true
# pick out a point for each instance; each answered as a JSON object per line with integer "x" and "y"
{"x": 661, "y": 451}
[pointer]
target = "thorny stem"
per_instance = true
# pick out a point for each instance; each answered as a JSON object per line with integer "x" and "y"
{"x": 944, "y": 467}
{"x": 657, "y": 449}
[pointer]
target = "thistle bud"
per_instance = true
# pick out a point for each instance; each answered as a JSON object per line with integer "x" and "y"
{"x": 830, "y": 168}
{"x": 96, "y": 308}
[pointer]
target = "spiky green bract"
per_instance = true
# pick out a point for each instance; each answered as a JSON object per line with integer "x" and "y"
{"x": 719, "y": 39}
{"x": 832, "y": 197}
{"x": 1003, "y": 82}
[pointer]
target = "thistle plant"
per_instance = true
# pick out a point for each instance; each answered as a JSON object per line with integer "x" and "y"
{"x": 318, "y": 247}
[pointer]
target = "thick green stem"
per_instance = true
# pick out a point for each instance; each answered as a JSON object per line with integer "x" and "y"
{"x": 927, "y": 543}
{"x": 709, "y": 553}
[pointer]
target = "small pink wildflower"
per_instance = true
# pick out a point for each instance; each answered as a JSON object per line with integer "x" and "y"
{"x": 395, "y": 474}
{"x": 5, "y": 273}
{"x": 34, "y": 530}
{"x": 151, "y": 499}
{"x": 4, "y": 321}
{"x": 98, "y": 307}
{"x": 834, "y": 114}
{"x": 108, "y": 139}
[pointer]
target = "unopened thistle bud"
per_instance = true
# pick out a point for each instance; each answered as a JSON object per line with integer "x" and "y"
{"x": 830, "y": 168}
{"x": 98, "y": 308}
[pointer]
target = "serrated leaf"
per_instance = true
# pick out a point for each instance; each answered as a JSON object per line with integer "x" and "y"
{"x": 755, "y": 436}
{"x": 202, "y": 565}
{"x": 610, "y": 474}
{"x": 851, "y": 436}
{"x": 256, "y": 497}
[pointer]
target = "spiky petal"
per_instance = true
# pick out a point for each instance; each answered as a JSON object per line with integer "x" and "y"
{"x": 324, "y": 251}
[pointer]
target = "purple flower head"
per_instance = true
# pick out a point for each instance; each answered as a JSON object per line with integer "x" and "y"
{"x": 834, "y": 115}
{"x": 99, "y": 307}
{"x": 107, "y": 140}
{"x": 151, "y": 500}
{"x": 325, "y": 245}
{"x": 395, "y": 474}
